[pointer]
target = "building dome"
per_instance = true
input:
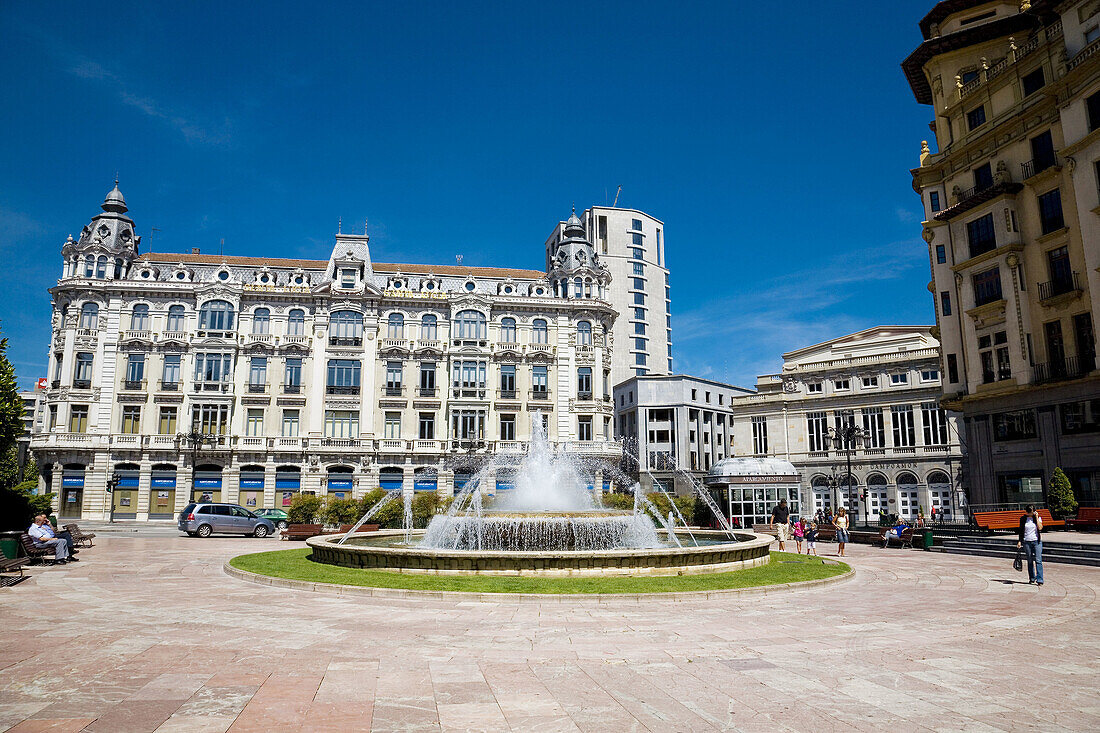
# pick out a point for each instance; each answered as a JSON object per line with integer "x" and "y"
{"x": 114, "y": 200}
{"x": 732, "y": 469}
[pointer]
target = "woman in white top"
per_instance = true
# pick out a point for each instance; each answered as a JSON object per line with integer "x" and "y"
{"x": 1031, "y": 539}
{"x": 841, "y": 525}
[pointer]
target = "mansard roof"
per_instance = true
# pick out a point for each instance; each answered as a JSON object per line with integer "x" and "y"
{"x": 388, "y": 267}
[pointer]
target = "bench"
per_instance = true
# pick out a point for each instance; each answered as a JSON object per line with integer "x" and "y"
{"x": 302, "y": 531}
{"x": 1087, "y": 516}
{"x": 10, "y": 566}
{"x": 79, "y": 535}
{"x": 345, "y": 528}
{"x": 1010, "y": 519}
{"x": 35, "y": 553}
{"x": 906, "y": 537}
{"x": 825, "y": 533}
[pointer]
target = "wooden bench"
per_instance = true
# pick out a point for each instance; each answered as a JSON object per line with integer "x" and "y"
{"x": 10, "y": 565}
{"x": 1087, "y": 516}
{"x": 80, "y": 535}
{"x": 825, "y": 533}
{"x": 345, "y": 528}
{"x": 302, "y": 531}
{"x": 36, "y": 553}
{"x": 1010, "y": 519}
{"x": 906, "y": 536}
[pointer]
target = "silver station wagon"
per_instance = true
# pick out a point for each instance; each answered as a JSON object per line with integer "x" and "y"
{"x": 203, "y": 520}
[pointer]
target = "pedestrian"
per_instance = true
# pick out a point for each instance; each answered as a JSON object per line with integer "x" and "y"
{"x": 799, "y": 532}
{"x": 840, "y": 522}
{"x": 43, "y": 535}
{"x": 811, "y": 539}
{"x": 1031, "y": 539}
{"x": 780, "y": 516}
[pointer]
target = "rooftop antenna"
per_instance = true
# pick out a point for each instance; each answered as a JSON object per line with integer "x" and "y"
{"x": 152, "y": 231}
{"x": 616, "y": 204}
{"x": 221, "y": 247}
{"x": 340, "y": 225}
{"x": 458, "y": 259}
{"x": 366, "y": 223}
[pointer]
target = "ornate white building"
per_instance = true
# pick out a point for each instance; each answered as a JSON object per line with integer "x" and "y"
{"x": 884, "y": 380}
{"x": 247, "y": 379}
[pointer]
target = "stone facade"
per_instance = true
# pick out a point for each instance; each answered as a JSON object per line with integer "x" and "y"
{"x": 241, "y": 379}
{"x": 1011, "y": 201}
{"x": 884, "y": 380}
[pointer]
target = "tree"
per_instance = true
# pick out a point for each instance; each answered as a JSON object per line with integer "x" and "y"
{"x": 303, "y": 508}
{"x": 11, "y": 404}
{"x": 1060, "y": 498}
{"x": 9, "y": 467}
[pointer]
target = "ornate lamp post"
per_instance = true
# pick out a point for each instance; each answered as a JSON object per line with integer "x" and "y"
{"x": 197, "y": 439}
{"x": 846, "y": 437}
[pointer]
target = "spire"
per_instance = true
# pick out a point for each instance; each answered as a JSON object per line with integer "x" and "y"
{"x": 114, "y": 201}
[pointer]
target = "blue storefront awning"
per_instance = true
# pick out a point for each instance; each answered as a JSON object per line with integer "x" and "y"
{"x": 292, "y": 484}
{"x": 505, "y": 485}
{"x": 128, "y": 481}
{"x": 425, "y": 484}
{"x": 607, "y": 487}
{"x": 339, "y": 483}
{"x": 391, "y": 484}
{"x": 164, "y": 482}
{"x": 208, "y": 483}
{"x": 74, "y": 481}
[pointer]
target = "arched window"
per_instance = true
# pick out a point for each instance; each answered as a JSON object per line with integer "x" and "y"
{"x": 175, "y": 318}
{"x": 508, "y": 330}
{"x": 118, "y": 269}
{"x": 261, "y": 320}
{"x": 588, "y": 287}
{"x": 101, "y": 267}
{"x": 906, "y": 479}
{"x": 578, "y": 288}
{"x": 539, "y": 333}
{"x": 89, "y": 265}
{"x": 428, "y": 328}
{"x": 470, "y": 324}
{"x": 938, "y": 479}
{"x": 139, "y": 319}
{"x": 395, "y": 328}
{"x": 346, "y": 328}
{"x": 584, "y": 333}
{"x": 216, "y": 315}
{"x": 296, "y": 323}
{"x": 89, "y": 316}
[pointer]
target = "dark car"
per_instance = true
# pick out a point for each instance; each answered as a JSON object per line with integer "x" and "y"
{"x": 275, "y": 516}
{"x": 203, "y": 520}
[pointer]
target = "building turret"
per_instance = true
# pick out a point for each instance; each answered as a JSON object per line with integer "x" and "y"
{"x": 107, "y": 244}
{"x": 575, "y": 268}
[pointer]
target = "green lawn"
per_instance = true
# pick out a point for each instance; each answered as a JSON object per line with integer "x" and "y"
{"x": 784, "y": 567}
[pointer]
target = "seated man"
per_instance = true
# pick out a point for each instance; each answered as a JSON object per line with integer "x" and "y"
{"x": 894, "y": 532}
{"x": 43, "y": 535}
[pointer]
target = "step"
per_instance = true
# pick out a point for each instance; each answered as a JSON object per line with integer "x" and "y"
{"x": 1083, "y": 549}
{"x": 1009, "y": 555}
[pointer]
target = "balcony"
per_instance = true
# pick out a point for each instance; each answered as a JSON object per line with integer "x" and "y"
{"x": 339, "y": 443}
{"x": 346, "y": 341}
{"x": 288, "y": 442}
{"x": 82, "y": 384}
{"x": 260, "y": 338}
{"x": 540, "y": 349}
{"x": 127, "y": 439}
{"x": 252, "y": 442}
{"x": 506, "y": 394}
{"x": 539, "y": 394}
{"x": 1038, "y": 165}
{"x": 175, "y": 336}
{"x": 427, "y": 446}
{"x": 142, "y": 335}
{"x": 86, "y": 333}
{"x": 1060, "y": 286}
{"x": 393, "y": 390}
{"x": 584, "y": 395}
{"x": 394, "y": 344}
{"x": 211, "y": 386}
{"x": 469, "y": 392}
{"x": 257, "y": 388}
{"x": 391, "y": 444}
{"x": 133, "y": 385}
{"x": 163, "y": 386}
{"x": 427, "y": 392}
{"x": 294, "y": 339}
{"x": 342, "y": 389}
{"x": 292, "y": 389}
{"x": 967, "y": 199}
{"x": 55, "y": 384}
{"x": 1057, "y": 371}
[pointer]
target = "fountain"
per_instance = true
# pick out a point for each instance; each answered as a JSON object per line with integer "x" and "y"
{"x": 549, "y": 523}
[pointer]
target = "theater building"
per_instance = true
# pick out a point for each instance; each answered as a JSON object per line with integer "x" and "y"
{"x": 193, "y": 376}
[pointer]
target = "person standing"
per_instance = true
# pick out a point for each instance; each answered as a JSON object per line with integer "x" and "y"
{"x": 799, "y": 531}
{"x": 811, "y": 538}
{"x": 780, "y": 516}
{"x": 840, "y": 522}
{"x": 1031, "y": 539}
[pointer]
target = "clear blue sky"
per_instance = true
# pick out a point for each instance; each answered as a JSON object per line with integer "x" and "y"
{"x": 774, "y": 141}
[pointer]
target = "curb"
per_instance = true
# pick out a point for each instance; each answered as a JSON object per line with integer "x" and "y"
{"x": 440, "y": 595}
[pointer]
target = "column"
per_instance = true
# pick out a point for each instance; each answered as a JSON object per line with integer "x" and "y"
{"x": 269, "y": 484}
{"x": 144, "y": 489}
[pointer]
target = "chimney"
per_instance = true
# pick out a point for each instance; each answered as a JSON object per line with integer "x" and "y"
{"x": 194, "y": 250}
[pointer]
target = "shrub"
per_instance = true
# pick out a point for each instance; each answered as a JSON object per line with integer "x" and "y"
{"x": 1060, "y": 498}
{"x": 339, "y": 511}
{"x": 686, "y": 505}
{"x": 303, "y": 509}
{"x": 391, "y": 516}
{"x": 618, "y": 501}
{"x": 426, "y": 505}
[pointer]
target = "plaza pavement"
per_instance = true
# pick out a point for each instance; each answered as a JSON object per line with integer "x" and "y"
{"x": 147, "y": 633}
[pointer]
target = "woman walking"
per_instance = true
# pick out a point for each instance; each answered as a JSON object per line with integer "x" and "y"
{"x": 1031, "y": 539}
{"x": 799, "y": 532}
{"x": 841, "y": 525}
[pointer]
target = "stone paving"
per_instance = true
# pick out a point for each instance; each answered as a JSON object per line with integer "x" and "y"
{"x": 148, "y": 633}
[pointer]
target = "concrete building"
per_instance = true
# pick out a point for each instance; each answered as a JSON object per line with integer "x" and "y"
{"x": 245, "y": 379}
{"x": 631, "y": 245}
{"x": 884, "y": 380}
{"x": 1011, "y": 197}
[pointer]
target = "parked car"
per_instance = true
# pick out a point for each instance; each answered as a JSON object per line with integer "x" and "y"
{"x": 276, "y": 516}
{"x": 203, "y": 520}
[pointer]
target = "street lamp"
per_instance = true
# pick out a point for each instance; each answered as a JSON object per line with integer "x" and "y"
{"x": 846, "y": 436}
{"x": 197, "y": 439}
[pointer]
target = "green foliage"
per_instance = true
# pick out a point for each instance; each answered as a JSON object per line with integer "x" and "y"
{"x": 9, "y": 467}
{"x": 784, "y": 567}
{"x": 11, "y": 405}
{"x": 337, "y": 511}
{"x": 303, "y": 509}
{"x": 1060, "y": 498}
{"x": 426, "y": 504}
{"x": 391, "y": 516}
{"x": 619, "y": 501}
{"x": 686, "y": 505}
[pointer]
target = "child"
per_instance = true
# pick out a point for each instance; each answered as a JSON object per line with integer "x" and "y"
{"x": 799, "y": 532}
{"x": 811, "y": 539}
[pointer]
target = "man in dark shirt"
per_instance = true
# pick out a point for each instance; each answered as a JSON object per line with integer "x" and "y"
{"x": 780, "y": 517}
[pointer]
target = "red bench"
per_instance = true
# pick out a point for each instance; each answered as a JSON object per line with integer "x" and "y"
{"x": 1010, "y": 519}
{"x": 1087, "y": 516}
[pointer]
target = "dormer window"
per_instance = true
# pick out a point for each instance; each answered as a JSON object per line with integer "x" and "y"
{"x": 223, "y": 275}
{"x": 348, "y": 277}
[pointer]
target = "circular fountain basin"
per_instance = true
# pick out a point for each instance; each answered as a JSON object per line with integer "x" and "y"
{"x": 387, "y": 550}
{"x": 536, "y": 531}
